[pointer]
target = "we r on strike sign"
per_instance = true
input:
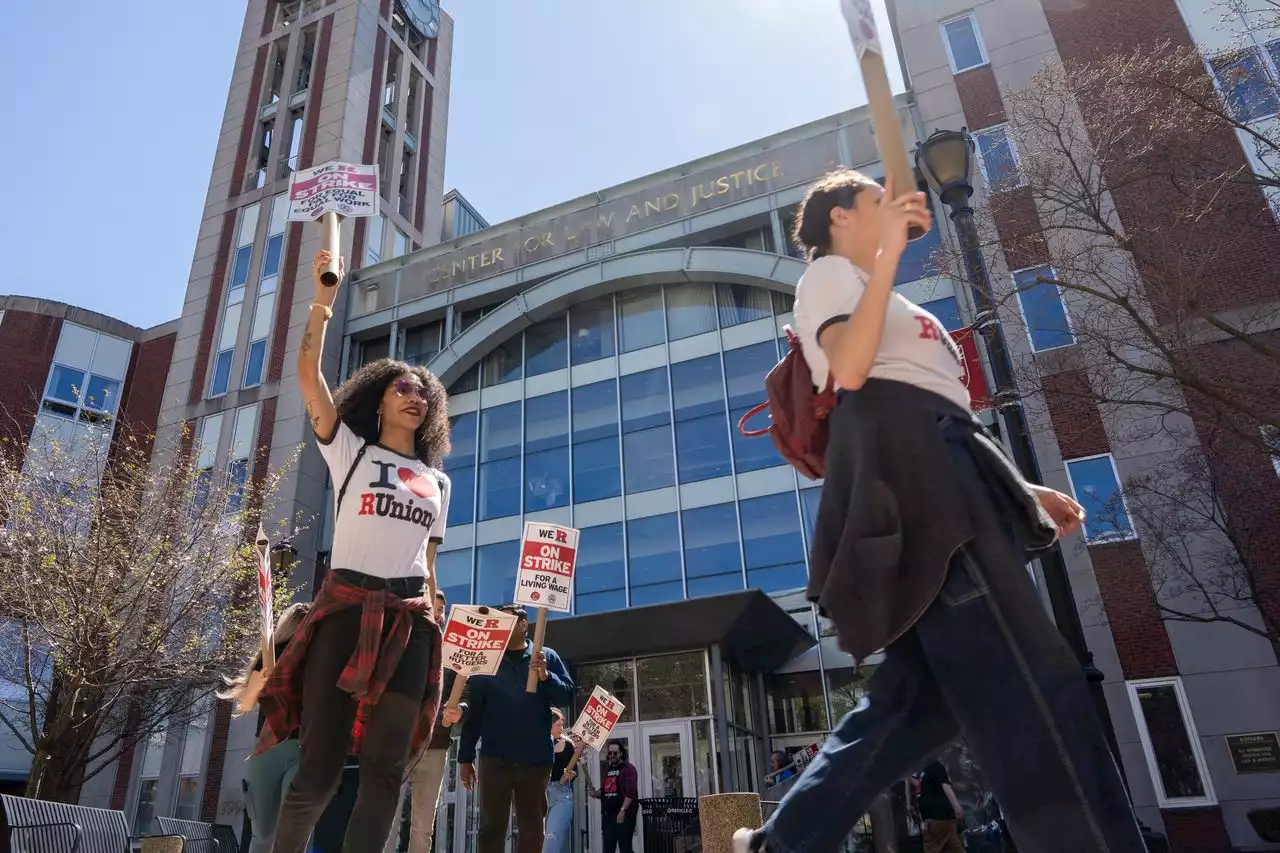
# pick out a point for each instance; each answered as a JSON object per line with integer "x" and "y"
{"x": 547, "y": 558}
{"x": 475, "y": 639}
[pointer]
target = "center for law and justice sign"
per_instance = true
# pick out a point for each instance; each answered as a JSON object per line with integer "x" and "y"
{"x": 547, "y": 558}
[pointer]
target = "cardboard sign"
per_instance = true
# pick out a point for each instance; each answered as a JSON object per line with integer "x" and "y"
{"x": 598, "y": 718}
{"x": 547, "y": 558}
{"x": 475, "y": 638}
{"x": 266, "y": 615}
{"x": 862, "y": 26}
{"x": 341, "y": 188}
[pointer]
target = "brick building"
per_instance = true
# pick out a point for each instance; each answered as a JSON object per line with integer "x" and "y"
{"x": 79, "y": 378}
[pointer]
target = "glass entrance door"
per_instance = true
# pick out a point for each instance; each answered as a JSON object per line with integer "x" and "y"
{"x": 663, "y": 757}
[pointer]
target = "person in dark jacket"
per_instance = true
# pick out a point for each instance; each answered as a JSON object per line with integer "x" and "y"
{"x": 920, "y": 548}
{"x": 512, "y": 730}
{"x": 619, "y": 797}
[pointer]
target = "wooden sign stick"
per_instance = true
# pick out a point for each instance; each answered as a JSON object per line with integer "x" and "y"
{"x": 331, "y": 243}
{"x": 539, "y": 634}
{"x": 455, "y": 695}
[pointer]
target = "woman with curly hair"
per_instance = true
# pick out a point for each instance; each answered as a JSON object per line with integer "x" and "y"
{"x": 368, "y": 653}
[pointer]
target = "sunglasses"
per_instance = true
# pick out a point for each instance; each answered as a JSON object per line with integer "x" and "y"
{"x": 407, "y": 387}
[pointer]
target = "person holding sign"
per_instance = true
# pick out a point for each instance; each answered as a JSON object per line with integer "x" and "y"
{"x": 512, "y": 730}
{"x": 619, "y": 796}
{"x": 369, "y": 649}
{"x": 559, "y": 828}
{"x": 920, "y": 548}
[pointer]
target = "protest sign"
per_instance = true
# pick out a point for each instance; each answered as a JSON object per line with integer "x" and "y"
{"x": 475, "y": 638}
{"x": 547, "y": 557}
{"x": 598, "y": 718}
{"x": 333, "y": 191}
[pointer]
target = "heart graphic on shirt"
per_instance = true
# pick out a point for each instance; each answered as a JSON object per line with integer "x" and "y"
{"x": 419, "y": 484}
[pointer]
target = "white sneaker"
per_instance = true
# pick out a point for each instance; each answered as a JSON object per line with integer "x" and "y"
{"x": 743, "y": 841}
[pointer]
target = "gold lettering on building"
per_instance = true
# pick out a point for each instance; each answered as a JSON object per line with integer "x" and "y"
{"x": 537, "y": 241}
{"x": 708, "y": 190}
{"x": 633, "y": 213}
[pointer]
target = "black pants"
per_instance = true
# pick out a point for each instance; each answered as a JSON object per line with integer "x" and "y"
{"x": 328, "y": 714}
{"x": 984, "y": 662}
{"x": 501, "y": 784}
{"x": 619, "y": 835}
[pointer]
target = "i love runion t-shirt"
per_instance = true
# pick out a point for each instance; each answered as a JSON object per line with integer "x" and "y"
{"x": 393, "y": 505}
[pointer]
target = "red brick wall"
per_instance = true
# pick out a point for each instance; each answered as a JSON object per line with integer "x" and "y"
{"x": 1074, "y": 412}
{"x": 1141, "y": 639}
{"x": 980, "y": 97}
{"x": 1018, "y": 224}
{"x": 212, "y": 309}
{"x": 1196, "y": 830}
{"x": 124, "y": 766}
{"x": 424, "y": 158}
{"x": 144, "y": 391}
{"x": 217, "y": 760}
{"x": 27, "y": 343}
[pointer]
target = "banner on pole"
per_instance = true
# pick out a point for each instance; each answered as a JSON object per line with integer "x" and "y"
{"x": 862, "y": 26}
{"x": 475, "y": 639}
{"x": 974, "y": 379}
{"x": 598, "y": 717}
{"x": 342, "y": 188}
{"x": 547, "y": 557}
{"x": 265, "y": 593}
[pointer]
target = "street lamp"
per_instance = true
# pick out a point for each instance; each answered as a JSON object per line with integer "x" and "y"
{"x": 946, "y": 161}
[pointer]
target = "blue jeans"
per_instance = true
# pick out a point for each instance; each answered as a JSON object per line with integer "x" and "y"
{"x": 267, "y": 777}
{"x": 558, "y": 837}
{"x": 984, "y": 663}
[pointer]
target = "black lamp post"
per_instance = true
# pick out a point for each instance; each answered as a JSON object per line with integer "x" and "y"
{"x": 946, "y": 161}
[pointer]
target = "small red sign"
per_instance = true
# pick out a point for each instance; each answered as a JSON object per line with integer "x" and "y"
{"x": 974, "y": 379}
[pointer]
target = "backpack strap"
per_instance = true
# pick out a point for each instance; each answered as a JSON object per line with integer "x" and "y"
{"x": 347, "y": 480}
{"x": 753, "y": 433}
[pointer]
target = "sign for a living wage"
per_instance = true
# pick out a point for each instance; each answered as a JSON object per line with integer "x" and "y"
{"x": 598, "y": 718}
{"x": 343, "y": 188}
{"x": 475, "y": 639}
{"x": 547, "y": 558}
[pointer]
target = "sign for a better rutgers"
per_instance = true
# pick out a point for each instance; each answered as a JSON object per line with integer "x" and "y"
{"x": 598, "y": 717}
{"x": 475, "y": 639}
{"x": 547, "y": 558}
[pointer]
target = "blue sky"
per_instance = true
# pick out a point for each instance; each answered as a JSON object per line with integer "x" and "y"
{"x": 113, "y": 112}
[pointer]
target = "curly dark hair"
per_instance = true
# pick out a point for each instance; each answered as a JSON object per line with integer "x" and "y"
{"x": 357, "y": 401}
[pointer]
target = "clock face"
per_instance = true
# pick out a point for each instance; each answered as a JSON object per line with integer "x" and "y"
{"x": 422, "y": 15}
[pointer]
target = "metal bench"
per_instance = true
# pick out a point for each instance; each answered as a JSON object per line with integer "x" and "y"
{"x": 37, "y": 826}
{"x": 200, "y": 837}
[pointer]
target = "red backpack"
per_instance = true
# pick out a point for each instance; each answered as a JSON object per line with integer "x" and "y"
{"x": 797, "y": 412}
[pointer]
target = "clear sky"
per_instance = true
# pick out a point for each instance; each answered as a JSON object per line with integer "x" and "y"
{"x": 113, "y": 111}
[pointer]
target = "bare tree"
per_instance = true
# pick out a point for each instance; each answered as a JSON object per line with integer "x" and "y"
{"x": 127, "y": 587}
{"x": 1163, "y": 340}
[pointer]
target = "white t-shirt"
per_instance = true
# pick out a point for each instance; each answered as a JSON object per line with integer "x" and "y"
{"x": 915, "y": 347}
{"x": 393, "y": 505}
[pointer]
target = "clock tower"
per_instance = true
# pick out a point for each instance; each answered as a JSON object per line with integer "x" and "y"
{"x": 362, "y": 81}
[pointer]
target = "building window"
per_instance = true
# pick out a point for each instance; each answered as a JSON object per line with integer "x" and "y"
{"x": 691, "y": 310}
{"x": 1248, "y": 86}
{"x": 302, "y": 79}
{"x": 600, "y": 579}
{"x": 411, "y": 104}
{"x": 917, "y": 260}
{"x": 206, "y": 452}
{"x": 265, "y": 304}
{"x": 745, "y": 370}
{"x": 453, "y": 571}
{"x": 290, "y": 164}
{"x": 421, "y": 343}
{"x": 741, "y": 303}
{"x": 964, "y": 44}
{"x": 1170, "y": 743}
{"x": 238, "y": 457}
{"x": 279, "y": 56}
{"x": 546, "y": 346}
{"x": 947, "y": 310}
{"x": 597, "y": 470}
{"x": 998, "y": 158}
{"x": 496, "y": 571}
{"x": 1043, "y": 309}
{"x": 144, "y": 813}
{"x": 502, "y": 363}
{"x": 809, "y": 500}
{"x": 386, "y": 137}
{"x": 546, "y": 452}
{"x": 499, "y": 464}
{"x": 591, "y": 334}
{"x": 647, "y": 455}
{"x": 80, "y": 395}
{"x": 1096, "y": 485}
{"x": 772, "y": 542}
{"x": 653, "y": 558}
{"x": 399, "y": 243}
{"x": 192, "y": 768}
{"x": 390, "y": 88}
{"x": 405, "y": 194}
{"x": 712, "y": 555}
{"x": 373, "y": 239}
{"x": 461, "y": 468}
{"x": 640, "y": 319}
{"x": 258, "y": 178}
{"x": 246, "y": 230}
{"x": 702, "y": 437}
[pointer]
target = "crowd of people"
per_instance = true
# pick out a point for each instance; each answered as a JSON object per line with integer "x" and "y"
{"x": 920, "y": 544}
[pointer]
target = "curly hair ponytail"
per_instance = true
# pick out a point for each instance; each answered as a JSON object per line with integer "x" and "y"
{"x": 358, "y": 398}
{"x": 812, "y": 228}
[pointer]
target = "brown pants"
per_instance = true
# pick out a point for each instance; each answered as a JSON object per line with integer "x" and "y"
{"x": 940, "y": 837}
{"x": 502, "y": 783}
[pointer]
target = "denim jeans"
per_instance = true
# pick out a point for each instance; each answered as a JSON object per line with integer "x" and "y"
{"x": 558, "y": 836}
{"x": 266, "y": 778}
{"x": 985, "y": 663}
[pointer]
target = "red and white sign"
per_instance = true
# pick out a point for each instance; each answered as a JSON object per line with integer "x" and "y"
{"x": 862, "y": 26}
{"x": 974, "y": 379}
{"x": 341, "y": 188}
{"x": 475, "y": 639}
{"x": 547, "y": 558}
{"x": 265, "y": 596}
{"x": 598, "y": 718}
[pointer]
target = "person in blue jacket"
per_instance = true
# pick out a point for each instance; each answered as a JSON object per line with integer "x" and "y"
{"x": 512, "y": 729}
